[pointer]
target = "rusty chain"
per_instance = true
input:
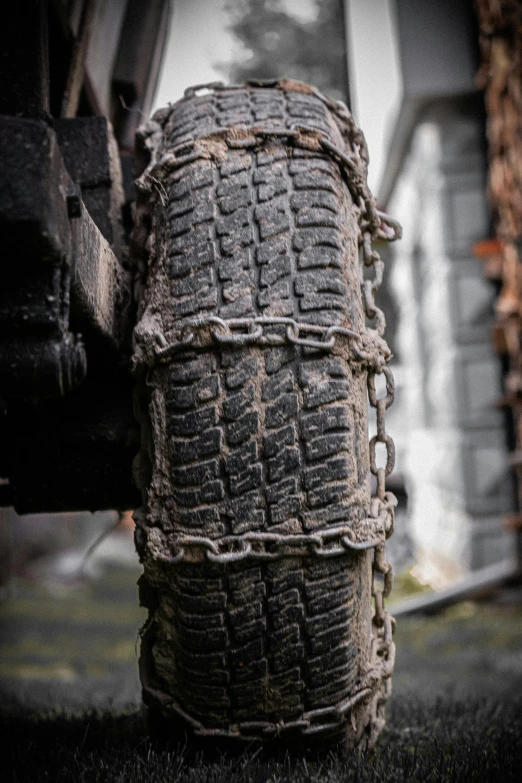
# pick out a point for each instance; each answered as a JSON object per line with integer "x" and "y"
{"x": 256, "y": 331}
{"x": 331, "y": 542}
{"x": 369, "y": 349}
{"x": 310, "y": 722}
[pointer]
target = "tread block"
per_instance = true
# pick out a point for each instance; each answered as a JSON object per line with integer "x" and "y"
{"x": 234, "y": 241}
{"x": 195, "y": 475}
{"x": 272, "y": 296}
{"x": 251, "y": 592}
{"x": 209, "y": 492}
{"x": 335, "y": 417}
{"x": 271, "y": 189}
{"x": 231, "y": 267}
{"x": 198, "y": 282}
{"x": 311, "y": 371}
{"x": 246, "y": 694}
{"x": 271, "y": 248}
{"x": 235, "y": 163}
{"x": 277, "y": 603}
{"x": 241, "y": 306}
{"x": 315, "y": 282}
{"x": 332, "y": 598}
{"x": 325, "y": 391}
{"x": 319, "y": 256}
{"x": 189, "y": 202}
{"x": 271, "y": 170}
{"x": 255, "y": 670}
{"x": 209, "y": 640}
{"x": 275, "y": 442}
{"x": 310, "y": 237}
{"x": 329, "y": 444}
{"x": 278, "y": 267}
{"x": 194, "y": 304}
{"x": 199, "y": 621}
{"x": 320, "y": 643}
{"x": 205, "y": 676}
{"x": 196, "y": 177}
{"x": 182, "y": 263}
{"x": 287, "y": 508}
{"x": 288, "y": 616}
{"x": 333, "y": 617}
{"x": 194, "y": 422}
{"x": 307, "y": 180}
{"x": 338, "y": 512}
{"x": 246, "y": 481}
{"x": 248, "y": 653}
{"x": 231, "y": 223}
{"x": 331, "y": 470}
{"x": 288, "y": 579}
{"x": 331, "y": 493}
{"x": 316, "y": 217}
{"x": 204, "y": 604}
{"x": 204, "y": 390}
{"x": 209, "y": 442}
{"x": 287, "y": 657}
{"x": 241, "y": 458}
{"x": 315, "y": 198}
{"x": 233, "y": 185}
{"x": 249, "y": 632}
{"x": 184, "y": 243}
{"x": 279, "y": 412}
{"x": 285, "y": 462}
{"x": 204, "y": 518}
{"x": 241, "y": 373}
{"x": 275, "y": 493}
{"x": 341, "y": 655}
{"x": 180, "y": 224}
{"x": 245, "y": 614}
{"x": 245, "y": 513}
{"x": 242, "y": 429}
{"x": 276, "y": 358}
{"x": 191, "y": 369}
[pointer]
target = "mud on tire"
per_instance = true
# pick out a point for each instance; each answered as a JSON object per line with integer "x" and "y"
{"x": 261, "y": 435}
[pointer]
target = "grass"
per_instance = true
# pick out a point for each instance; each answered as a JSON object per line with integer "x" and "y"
{"x": 445, "y": 740}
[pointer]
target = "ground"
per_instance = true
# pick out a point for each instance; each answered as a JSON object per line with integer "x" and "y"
{"x": 70, "y": 699}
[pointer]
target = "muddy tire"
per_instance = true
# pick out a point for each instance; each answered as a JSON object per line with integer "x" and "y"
{"x": 254, "y": 433}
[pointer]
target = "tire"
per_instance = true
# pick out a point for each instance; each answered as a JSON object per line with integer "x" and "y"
{"x": 262, "y": 436}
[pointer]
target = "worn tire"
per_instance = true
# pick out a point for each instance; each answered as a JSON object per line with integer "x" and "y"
{"x": 246, "y": 438}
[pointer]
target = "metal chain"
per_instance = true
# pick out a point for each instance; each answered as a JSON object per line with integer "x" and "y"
{"x": 315, "y": 721}
{"x": 256, "y": 331}
{"x": 331, "y": 542}
{"x": 368, "y": 348}
{"x": 383, "y": 648}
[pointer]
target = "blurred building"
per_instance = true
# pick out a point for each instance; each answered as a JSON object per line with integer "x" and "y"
{"x": 450, "y": 422}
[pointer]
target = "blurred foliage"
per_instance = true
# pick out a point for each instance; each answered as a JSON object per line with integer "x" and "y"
{"x": 405, "y": 585}
{"x": 279, "y": 43}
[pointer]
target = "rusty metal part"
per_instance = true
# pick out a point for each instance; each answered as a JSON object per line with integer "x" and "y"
{"x": 255, "y": 331}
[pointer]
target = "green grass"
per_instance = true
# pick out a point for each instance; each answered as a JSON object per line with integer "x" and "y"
{"x": 445, "y": 740}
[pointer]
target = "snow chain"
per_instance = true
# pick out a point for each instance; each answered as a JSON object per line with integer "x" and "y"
{"x": 369, "y": 349}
